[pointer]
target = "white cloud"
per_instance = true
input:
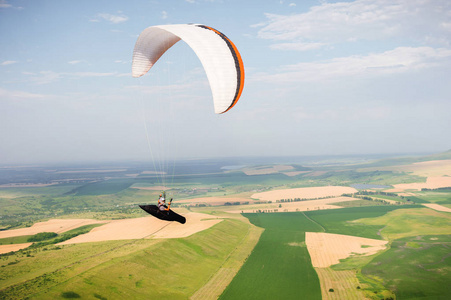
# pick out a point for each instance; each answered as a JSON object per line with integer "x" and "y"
{"x": 179, "y": 88}
{"x": 421, "y": 20}
{"x": 19, "y": 94}
{"x": 74, "y": 62}
{"x": 91, "y": 74}
{"x": 5, "y": 4}
{"x": 399, "y": 60}
{"x": 46, "y": 77}
{"x": 292, "y": 4}
{"x": 297, "y": 46}
{"x": 8, "y": 62}
{"x": 115, "y": 19}
{"x": 124, "y": 74}
{"x": 164, "y": 15}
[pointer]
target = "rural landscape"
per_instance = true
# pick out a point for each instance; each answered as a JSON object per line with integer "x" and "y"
{"x": 225, "y": 149}
{"x": 343, "y": 227}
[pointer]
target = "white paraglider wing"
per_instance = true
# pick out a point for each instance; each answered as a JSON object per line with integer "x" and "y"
{"x": 220, "y": 58}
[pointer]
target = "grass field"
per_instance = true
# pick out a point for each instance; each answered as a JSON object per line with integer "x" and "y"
{"x": 442, "y": 196}
{"x": 411, "y": 225}
{"x": 424, "y": 272}
{"x": 411, "y": 222}
{"x": 341, "y": 221}
{"x": 111, "y": 186}
{"x": 15, "y": 240}
{"x": 279, "y": 266}
{"x": 202, "y": 265}
{"x": 136, "y": 269}
{"x": 52, "y": 190}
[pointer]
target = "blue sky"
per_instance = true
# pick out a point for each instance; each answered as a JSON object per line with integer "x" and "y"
{"x": 322, "y": 77}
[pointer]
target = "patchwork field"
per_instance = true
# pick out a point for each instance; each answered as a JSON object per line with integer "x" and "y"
{"x": 125, "y": 229}
{"x": 410, "y": 222}
{"x": 267, "y": 170}
{"x": 293, "y": 206}
{"x": 212, "y": 200}
{"x": 132, "y": 268}
{"x": 279, "y": 266}
{"x": 53, "y": 225}
{"x": 320, "y": 244}
{"x": 431, "y": 168}
{"x": 431, "y": 183}
{"x": 304, "y": 193}
{"x": 416, "y": 267}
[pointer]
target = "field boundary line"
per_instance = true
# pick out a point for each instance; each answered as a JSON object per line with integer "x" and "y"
{"x": 218, "y": 282}
{"x": 324, "y": 229}
{"x": 132, "y": 241}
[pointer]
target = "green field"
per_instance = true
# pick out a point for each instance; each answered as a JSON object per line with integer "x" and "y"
{"x": 410, "y": 222}
{"x": 439, "y": 196}
{"x": 279, "y": 266}
{"x": 52, "y": 190}
{"x": 413, "y": 243}
{"x": 417, "y": 267}
{"x": 15, "y": 240}
{"x": 341, "y": 221}
{"x": 135, "y": 269}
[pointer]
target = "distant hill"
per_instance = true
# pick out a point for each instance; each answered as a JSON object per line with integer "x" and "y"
{"x": 438, "y": 156}
{"x": 409, "y": 160}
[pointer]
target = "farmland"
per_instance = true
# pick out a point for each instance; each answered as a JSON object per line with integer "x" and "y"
{"x": 279, "y": 266}
{"x": 245, "y": 236}
{"x": 423, "y": 272}
{"x": 84, "y": 265}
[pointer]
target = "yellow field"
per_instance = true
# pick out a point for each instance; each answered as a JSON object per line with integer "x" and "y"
{"x": 146, "y": 227}
{"x": 54, "y": 225}
{"x": 344, "y": 284}
{"x": 431, "y": 183}
{"x": 13, "y": 247}
{"x": 213, "y": 200}
{"x": 304, "y": 193}
{"x": 437, "y": 207}
{"x": 292, "y": 206}
{"x": 327, "y": 249}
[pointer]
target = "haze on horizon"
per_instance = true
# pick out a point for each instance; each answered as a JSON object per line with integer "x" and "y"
{"x": 322, "y": 78}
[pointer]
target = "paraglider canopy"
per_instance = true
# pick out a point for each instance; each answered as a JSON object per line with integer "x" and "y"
{"x": 220, "y": 58}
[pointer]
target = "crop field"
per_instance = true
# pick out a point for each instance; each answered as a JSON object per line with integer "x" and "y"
{"x": 343, "y": 283}
{"x": 245, "y": 256}
{"x": 279, "y": 266}
{"x": 52, "y": 190}
{"x": 424, "y": 272}
{"x": 411, "y": 222}
{"x": 111, "y": 186}
{"x": 15, "y": 240}
{"x": 440, "y": 196}
{"x": 359, "y": 203}
{"x": 341, "y": 221}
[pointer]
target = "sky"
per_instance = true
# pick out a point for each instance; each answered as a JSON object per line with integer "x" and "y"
{"x": 322, "y": 78}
